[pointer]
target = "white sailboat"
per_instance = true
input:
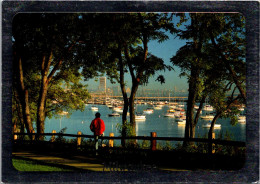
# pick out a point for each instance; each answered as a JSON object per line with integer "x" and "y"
{"x": 139, "y": 116}
{"x": 62, "y": 113}
{"x": 208, "y": 108}
{"x": 169, "y": 114}
{"x": 207, "y": 117}
{"x": 114, "y": 114}
{"x": 148, "y": 111}
{"x": 241, "y": 119}
{"x": 181, "y": 118}
{"x": 157, "y": 107}
{"x": 181, "y": 122}
{"x": 208, "y": 125}
{"x": 94, "y": 108}
{"x": 118, "y": 109}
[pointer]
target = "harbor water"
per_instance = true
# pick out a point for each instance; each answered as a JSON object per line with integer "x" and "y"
{"x": 156, "y": 122}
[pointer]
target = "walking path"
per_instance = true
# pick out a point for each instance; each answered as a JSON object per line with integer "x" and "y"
{"x": 76, "y": 162}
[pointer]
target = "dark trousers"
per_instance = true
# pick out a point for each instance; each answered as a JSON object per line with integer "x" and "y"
{"x": 96, "y": 141}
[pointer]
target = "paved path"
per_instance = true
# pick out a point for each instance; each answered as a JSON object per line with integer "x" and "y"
{"x": 76, "y": 162}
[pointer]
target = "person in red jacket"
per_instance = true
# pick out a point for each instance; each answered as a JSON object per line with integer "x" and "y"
{"x": 97, "y": 126}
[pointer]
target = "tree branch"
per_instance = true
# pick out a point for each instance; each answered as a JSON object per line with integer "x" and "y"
{"x": 227, "y": 65}
{"x": 129, "y": 63}
{"x": 58, "y": 64}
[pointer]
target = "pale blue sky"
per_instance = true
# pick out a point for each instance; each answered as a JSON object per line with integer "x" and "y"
{"x": 164, "y": 50}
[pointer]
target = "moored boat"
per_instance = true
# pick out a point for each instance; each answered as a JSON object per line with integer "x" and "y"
{"x": 207, "y": 117}
{"x": 169, "y": 114}
{"x": 208, "y": 108}
{"x": 94, "y": 108}
{"x": 140, "y": 117}
{"x": 196, "y": 107}
{"x": 148, "y": 111}
{"x": 118, "y": 109}
{"x": 114, "y": 114}
{"x": 182, "y": 122}
{"x": 157, "y": 107}
{"x": 62, "y": 113}
{"x": 208, "y": 125}
{"x": 181, "y": 118}
{"x": 241, "y": 109}
{"x": 241, "y": 119}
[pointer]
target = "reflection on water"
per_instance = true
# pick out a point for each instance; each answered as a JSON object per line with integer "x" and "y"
{"x": 156, "y": 122}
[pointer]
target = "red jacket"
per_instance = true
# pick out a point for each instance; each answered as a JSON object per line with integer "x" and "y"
{"x": 97, "y": 126}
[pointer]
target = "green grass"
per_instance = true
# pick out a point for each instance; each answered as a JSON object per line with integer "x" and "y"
{"x": 25, "y": 165}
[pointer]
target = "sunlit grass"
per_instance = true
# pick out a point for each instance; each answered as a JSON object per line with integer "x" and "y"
{"x": 25, "y": 165}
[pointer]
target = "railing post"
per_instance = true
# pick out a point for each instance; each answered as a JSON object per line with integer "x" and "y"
{"x": 213, "y": 145}
{"x": 53, "y": 136}
{"x": 79, "y": 139}
{"x": 16, "y": 136}
{"x": 15, "y": 130}
{"x": 111, "y": 141}
{"x": 33, "y": 136}
{"x": 153, "y": 142}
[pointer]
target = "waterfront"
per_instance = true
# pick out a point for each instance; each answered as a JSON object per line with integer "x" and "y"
{"x": 156, "y": 122}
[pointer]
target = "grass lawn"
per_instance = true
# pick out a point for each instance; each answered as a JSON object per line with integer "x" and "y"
{"x": 25, "y": 165}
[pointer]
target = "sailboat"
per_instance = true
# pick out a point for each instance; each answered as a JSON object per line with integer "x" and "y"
{"x": 93, "y": 107}
{"x": 148, "y": 111}
{"x": 114, "y": 114}
{"x": 208, "y": 125}
{"x": 139, "y": 116}
{"x": 210, "y": 117}
{"x": 242, "y": 119}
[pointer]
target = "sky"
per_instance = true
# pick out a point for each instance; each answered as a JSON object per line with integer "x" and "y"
{"x": 164, "y": 50}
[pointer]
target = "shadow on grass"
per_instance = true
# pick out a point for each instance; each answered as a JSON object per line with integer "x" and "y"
{"x": 134, "y": 159}
{"x": 27, "y": 165}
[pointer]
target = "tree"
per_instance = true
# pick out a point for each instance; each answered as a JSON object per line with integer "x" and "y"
{"x": 125, "y": 39}
{"x": 50, "y": 47}
{"x": 147, "y": 27}
{"x": 201, "y": 57}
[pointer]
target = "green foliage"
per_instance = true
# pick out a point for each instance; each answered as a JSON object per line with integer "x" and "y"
{"x": 233, "y": 120}
{"x": 214, "y": 58}
{"x": 159, "y": 146}
{"x": 145, "y": 144}
{"x": 60, "y": 138}
{"x": 88, "y": 143}
{"x": 225, "y": 149}
{"x": 168, "y": 146}
{"x": 127, "y": 126}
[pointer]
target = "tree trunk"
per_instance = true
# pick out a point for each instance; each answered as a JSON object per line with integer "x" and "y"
{"x": 191, "y": 102}
{"x": 193, "y": 82}
{"x": 24, "y": 100}
{"x": 211, "y": 130}
{"x": 43, "y": 94}
{"x": 126, "y": 104}
{"x": 41, "y": 108}
{"x": 199, "y": 110}
{"x": 132, "y": 106}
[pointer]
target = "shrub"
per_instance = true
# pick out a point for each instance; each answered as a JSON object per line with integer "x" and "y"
{"x": 60, "y": 138}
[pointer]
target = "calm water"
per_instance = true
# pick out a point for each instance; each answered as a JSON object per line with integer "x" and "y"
{"x": 156, "y": 122}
